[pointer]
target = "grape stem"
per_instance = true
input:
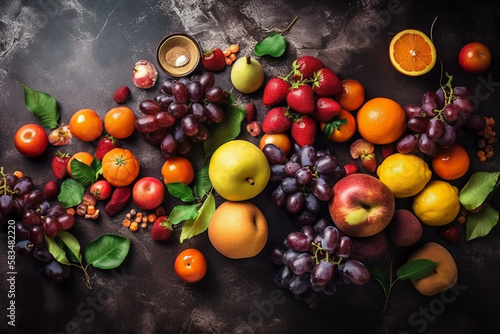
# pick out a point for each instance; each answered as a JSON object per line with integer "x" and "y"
{"x": 4, "y": 187}
{"x": 321, "y": 255}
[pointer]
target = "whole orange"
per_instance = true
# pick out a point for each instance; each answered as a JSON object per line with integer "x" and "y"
{"x": 177, "y": 169}
{"x": 279, "y": 139}
{"x": 120, "y": 167}
{"x": 84, "y": 157}
{"x": 119, "y": 122}
{"x": 351, "y": 95}
{"x": 86, "y": 125}
{"x": 381, "y": 121}
{"x": 342, "y": 127}
{"x": 451, "y": 163}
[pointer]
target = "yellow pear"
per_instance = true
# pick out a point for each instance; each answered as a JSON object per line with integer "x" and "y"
{"x": 247, "y": 75}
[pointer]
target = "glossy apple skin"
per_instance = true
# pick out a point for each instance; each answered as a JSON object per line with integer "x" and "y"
{"x": 148, "y": 193}
{"x": 239, "y": 170}
{"x": 362, "y": 205}
{"x": 475, "y": 58}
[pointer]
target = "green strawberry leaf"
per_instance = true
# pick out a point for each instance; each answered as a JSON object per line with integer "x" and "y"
{"x": 71, "y": 193}
{"x": 83, "y": 173}
{"x": 181, "y": 213}
{"x": 477, "y": 189}
{"x": 108, "y": 251}
{"x": 43, "y": 106}
{"x": 330, "y": 127}
{"x": 480, "y": 224}
{"x": 198, "y": 225}
{"x": 181, "y": 191}
{"x": 273, "y": 45}
{"x": 416, "y": 269}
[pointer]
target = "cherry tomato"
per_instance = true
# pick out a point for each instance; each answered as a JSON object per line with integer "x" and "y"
{"x": 474, "y": 58}
{"x": 190, "y": 265}
{"x": 31, "y": 140}
{"x": 101, "y": 189}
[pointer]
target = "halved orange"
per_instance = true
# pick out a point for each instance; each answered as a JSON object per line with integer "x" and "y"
{"x": 412, "y": 52}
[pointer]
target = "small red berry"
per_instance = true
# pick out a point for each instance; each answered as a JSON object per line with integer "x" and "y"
{"x": 450, "y": 233}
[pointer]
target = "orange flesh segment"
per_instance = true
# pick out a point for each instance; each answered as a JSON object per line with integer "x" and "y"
{"x": 412, "y": 53}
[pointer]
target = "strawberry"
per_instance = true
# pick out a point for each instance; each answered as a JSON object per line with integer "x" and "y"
{"x": 305, "y": 66}
{"x": 275, "y": 91}
{"x": 276, "y": 121}
{"x": 304, "y": 131}
{"x": 59, "y": 165}
{"x": 301, "y": 99}
{"x": 213, "y": 60}
{"x": 51, "y": 190}
{"x": 250, "y": 112}
{"x": 350, "y": 168}
{"x": 104, "y": 145}
{"x": 326, "y": 83}
{"x": 325, "y": 109}
{"x": 162, "y": 229}
{"x": 369, "y": 162}
{"x": 121, "y": 94}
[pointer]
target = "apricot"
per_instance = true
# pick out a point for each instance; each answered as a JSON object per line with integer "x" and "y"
{"x": 404, "y": 229}
{"x": 238, "y": 229}
{"x": 445, "y": 274}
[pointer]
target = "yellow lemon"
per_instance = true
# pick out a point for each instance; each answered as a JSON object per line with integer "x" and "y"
{"x": 405, "y": 174}
{"x": 437, "y": 204}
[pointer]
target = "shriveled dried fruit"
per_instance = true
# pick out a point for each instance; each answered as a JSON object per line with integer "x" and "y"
{"x": 361, "y": 147}
{"x": 253, "y": 128}
{"x": 144, "y": 74}
{"x": 61, "y": 136}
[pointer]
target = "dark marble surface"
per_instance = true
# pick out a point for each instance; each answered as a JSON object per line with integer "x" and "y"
{"x": 81, "y": 51}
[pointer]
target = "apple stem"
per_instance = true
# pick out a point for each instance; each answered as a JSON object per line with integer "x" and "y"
{"x": 250, "y": 180}
{"x": 249, "y": 60}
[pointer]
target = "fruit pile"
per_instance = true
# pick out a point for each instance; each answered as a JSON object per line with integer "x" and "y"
{"x": 182, "y": 113}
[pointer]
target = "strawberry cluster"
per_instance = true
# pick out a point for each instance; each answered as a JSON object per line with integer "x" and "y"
{"x": 301, "y": 99}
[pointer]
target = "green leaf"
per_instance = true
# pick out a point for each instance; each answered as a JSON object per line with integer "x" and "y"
{"x": 97, "y": 167}
{"x": 416, "y": 269}
{"x": 330, "y": 127}
{"x": 43, "y": 106}
{"x": 480, "y": 224}
{"x": 198, "y": 225}
{"x": 273, "y": 45}
{"x": 382, "y": 278}
{"x": 202, "y": 182}
{"x": 71, "y": 193}
{"x": 56, "y": 251}
{"x": 108, "y": 251}
{"x": 181, "y": 213}
{"x": 83, "y": 173}
{"x": 477, "y": 189}
{"x": 72, "y": 244}
{"x": 228, "y": 130}
{"x": 181, "y": 191}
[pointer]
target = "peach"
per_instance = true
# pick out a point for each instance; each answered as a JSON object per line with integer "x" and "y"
{"x": 404, "y": 229}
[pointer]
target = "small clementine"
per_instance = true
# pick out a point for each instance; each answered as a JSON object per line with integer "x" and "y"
{"x": 342, "y": 127}
{"x": 351, "y": 95}
{"x": 86, "y": 125}
{"x": 177, "y": 169}
{"x": 451, "y": 163}
{"x": 119, "y": 122}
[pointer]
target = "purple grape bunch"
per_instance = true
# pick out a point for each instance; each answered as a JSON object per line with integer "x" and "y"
{"x": 439, "y": 120}
{"x": 182, "y": 113}
{"x": 315, "y": 260}
{"x": 33, "y": 219}
{"x": 306, "y": 180}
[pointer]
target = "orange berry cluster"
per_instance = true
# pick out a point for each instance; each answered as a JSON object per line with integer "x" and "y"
{"x": 487, "y": 137}
{"x": 230, "y": 53}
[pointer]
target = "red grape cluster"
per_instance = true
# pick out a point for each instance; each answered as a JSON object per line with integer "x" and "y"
{"x": 35, "y": 219}
{"x": 438, "y": 120}
{"x": 182, "y": 113}
{"x": 306, "y": 180}
{"x": 315, "y": 260}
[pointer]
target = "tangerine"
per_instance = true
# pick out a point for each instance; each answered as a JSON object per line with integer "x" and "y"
{"x": 342, "y": 127}
{"x": 119, "y": 122}
{"x": 86, "y": 125}
{"x": 451, "y": 163}
{"x": 381, "y": 121}
{"x": 279, "y": 139}
{"x": 177, "y": 169}
{"x": 412, "y": 52}
{"x": 351, "y": 95}
{"x": 84, "y": 157}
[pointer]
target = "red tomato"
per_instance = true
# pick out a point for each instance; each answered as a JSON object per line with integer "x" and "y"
{"x": 475, "y": 58}
{"x": 31, "y": 140}
{"x": 101, "y": 189}
{"x": 190, "y": 265}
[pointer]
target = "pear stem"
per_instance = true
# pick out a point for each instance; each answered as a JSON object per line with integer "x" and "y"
{"x": 250, "y": 180}
{"x": 249, "y": 60}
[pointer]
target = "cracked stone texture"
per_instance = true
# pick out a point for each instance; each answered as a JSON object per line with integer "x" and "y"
{"x": 81, "y": 51}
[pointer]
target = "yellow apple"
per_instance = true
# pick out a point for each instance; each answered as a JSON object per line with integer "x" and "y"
{"x": 239, "y": 170}
{"x": 238, "y": 229}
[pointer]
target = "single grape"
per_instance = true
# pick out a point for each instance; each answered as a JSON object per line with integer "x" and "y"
{"x": 475, "y": 123}
{"x": 435, "y": 129}
{"x": 65, "y": 221}
{"x": 55, "y": 271}
{"x": 295, "y": 202}
{"x": 195, "y": 91}
{"x": 304, "y": 263}
{"x": 298, "y": 241}
{"x": 274, "y": 154}
{"x": 289, "y": 185}
{"x": 312, "y": 203}
{"x": 278, "y": 196}
{"x": 36, "y": 235}
{"x": 450, "y": 112}
{"x": 460, "y": 91}
{"x": 43, "y": 255}
{"x": 429, "y": 109}
{"x": 31, "y": 218}
{"x": 356, "y": 271}
{"x": 198, "y": 111}
{"x": 464, "y": 104}
{"x": 18, "y": 205}
{"x": 413, "y": 110}
{"x": 215, "y": 113}
{"x": 207, "y": 80}
{"x": 448, "y": 137}
{"x": 6, "y": 204}
{"x": 322, "y": 273}
{"x": 226, "y": 99}
{"x": 429, "y": 96}
{"x": 177, "y": 109}
{"x": 24, "y": 247}
{"x": 426, "y": 145}
{"x": 418, "y": 124}
{"x": 165, "y": 101}
{"x": 10, "y": 180}
{"x": 283, "y": 277}
{"x": 304, "y": 217}
{"x": 326, "y": 164}
{"x": 189, "y": 125}
{"x": 303, "y": 175}
{"x": 202, "y": 134}
{"x": 330, "y": 239}
{"x": 299, "y": 284}
{"x": 276, "y": 254}
{"x": 309, "y": 232}
{"x": 183, "y": 146}
{"x": 43, "y": 206}
{"x": 146, "y": 124}
{"x": 308, "y": 156}
{"x": 167, "y": 85}
{"x": 180, "y": 92}
{"x": 407, "y": 143}
{"x": 149, "y": 107}
{"x": 214, "y": 94}
{"x": 289, "y": 256}
{"x": 164, "y": 120}
{"x": 320, "y": 225}
{"x": 440, "y": 98}
{"x": 291, "y": 168}
{"x": 277, "y": 173}
{"x": 344, "y": 248}
{"x": 295, "y": 156}
{"x": 50, "y": 226}
{"x": 23, "y": 186}
{"x": 321, "y": 189}
{"x": 184, "y": 80}
{"x": 56, "y": 210}
{"x": 22, "y": 231}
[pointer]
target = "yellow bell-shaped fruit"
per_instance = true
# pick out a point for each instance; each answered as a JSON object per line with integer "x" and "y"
{"x": 247, "y": 75}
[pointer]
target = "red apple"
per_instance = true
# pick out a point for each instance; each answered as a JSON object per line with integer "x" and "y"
{"x": 362, "y": 205}
{"x": 148, "y": 193}
{"x": 474, "y": 58}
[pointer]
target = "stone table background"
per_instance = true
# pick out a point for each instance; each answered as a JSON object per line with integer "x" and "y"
{"x": 81, "y": 51}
